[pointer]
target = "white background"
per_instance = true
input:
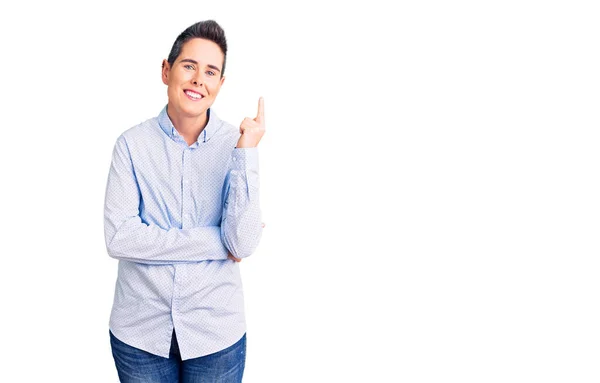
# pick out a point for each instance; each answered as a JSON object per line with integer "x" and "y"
{"x": 429, "y": 182}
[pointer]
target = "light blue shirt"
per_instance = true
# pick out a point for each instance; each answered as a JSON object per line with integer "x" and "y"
{"x": 172, "y": 212}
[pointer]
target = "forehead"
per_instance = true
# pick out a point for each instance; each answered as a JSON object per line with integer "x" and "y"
{"x": 203, "y": 51}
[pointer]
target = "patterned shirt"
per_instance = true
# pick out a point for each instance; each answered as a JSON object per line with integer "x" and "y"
{"x": 172, "y": 213}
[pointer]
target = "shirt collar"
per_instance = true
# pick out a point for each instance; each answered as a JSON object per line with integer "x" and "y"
{"x": 209, "y": 130}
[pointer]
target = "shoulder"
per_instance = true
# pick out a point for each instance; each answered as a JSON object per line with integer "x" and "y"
{"x": 142, "y": 130}
{"x": 142, "y": 133}
{"x": 228, "y": 136}
{"x": 227, "y": 131}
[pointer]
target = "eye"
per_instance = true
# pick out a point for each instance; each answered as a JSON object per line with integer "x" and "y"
{"x": 211, "y": 72}
{"x": 189, "y": 66}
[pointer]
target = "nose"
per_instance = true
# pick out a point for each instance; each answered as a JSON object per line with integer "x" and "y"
{"x": 197, "y": 80}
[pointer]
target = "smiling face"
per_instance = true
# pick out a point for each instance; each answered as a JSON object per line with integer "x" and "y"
{"x": 195, "y": 78}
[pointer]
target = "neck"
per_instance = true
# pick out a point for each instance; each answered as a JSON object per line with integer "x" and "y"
{"x": 189, "y": 127}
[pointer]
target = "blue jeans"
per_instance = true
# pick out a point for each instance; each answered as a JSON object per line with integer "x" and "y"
{"x": 138, "y": 366}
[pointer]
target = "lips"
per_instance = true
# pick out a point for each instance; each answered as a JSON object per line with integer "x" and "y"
{"x": 194, "y": 96}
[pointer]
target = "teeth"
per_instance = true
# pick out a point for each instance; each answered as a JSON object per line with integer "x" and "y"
{"x": 193, "y": 95}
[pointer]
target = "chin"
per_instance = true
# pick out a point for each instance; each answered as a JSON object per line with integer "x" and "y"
{"x": 197, "y": 111}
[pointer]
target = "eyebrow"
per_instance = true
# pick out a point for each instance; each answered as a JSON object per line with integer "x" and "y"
{"x": 196, "y": 62}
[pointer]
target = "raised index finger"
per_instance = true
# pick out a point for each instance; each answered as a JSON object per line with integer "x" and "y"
{"x": 261, "y": 109}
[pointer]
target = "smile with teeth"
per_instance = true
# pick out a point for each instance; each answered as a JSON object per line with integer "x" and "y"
{"x": 193, "y": 95}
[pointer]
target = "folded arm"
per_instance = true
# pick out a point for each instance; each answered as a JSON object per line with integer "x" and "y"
{"x": 128, "y": 238}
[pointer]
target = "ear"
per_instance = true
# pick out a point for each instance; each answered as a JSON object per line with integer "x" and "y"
{"x": 165, "y": 72}
{"x": 222, "y": 81}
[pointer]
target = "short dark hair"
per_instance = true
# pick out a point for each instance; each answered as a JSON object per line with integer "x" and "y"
{"x": 207, "y": 29}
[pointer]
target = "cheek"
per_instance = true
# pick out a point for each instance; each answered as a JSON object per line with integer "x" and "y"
{"x": 185, "y": 77}
{"x": 178, "y": 79}
{"x": 214, "y": 87}
{"x": 173, "y": 91}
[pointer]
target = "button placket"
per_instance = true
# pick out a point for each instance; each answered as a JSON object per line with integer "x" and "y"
{"x": 186, "y": 202}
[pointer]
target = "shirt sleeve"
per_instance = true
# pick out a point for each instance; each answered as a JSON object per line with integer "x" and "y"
{"x": 241, "y": 226}
{"x": 128, "y": 238}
